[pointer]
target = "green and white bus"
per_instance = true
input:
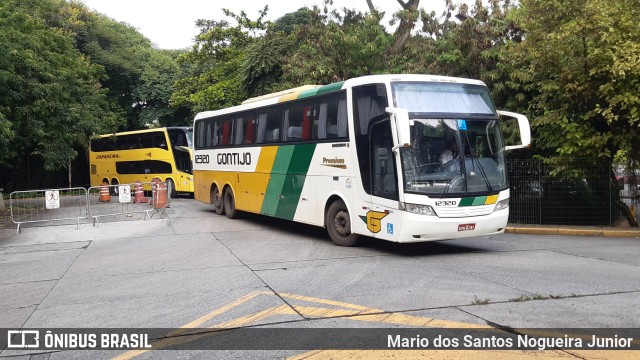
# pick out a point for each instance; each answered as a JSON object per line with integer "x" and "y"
{"x": 404, "y": 158}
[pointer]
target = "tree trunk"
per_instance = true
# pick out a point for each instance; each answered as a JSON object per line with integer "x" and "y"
{"x": 69, "y": 169}
{"x": 408, "y": 20}
{"x": 370, "y": 4}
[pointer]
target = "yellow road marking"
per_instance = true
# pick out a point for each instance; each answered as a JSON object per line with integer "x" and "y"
{"x": 363, "y": 313}
{"x": 326, "y": 302}
{"x": 222, "y": 310}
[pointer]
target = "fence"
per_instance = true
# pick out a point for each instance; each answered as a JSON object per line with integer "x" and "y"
{"x": 113, "y": 200}
{"x": 573, "y": 192}
{"x": 79, "y": 203}
{"x": 48, "y": 205}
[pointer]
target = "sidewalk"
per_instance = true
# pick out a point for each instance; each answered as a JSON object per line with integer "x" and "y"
{"x": 572, "y": 230}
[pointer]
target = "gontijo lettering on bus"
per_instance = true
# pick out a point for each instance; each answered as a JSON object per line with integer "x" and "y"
{"x": 234, "y": 158}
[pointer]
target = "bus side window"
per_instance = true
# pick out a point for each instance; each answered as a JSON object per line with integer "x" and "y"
{"x": 226, "y": 132}
{"x": 323, "y": 126}
{"x": 298, "y": 122}
{"x": 332, "y": 117}
{"x": 238, "y": 132}
{"x": 160, "y": 140}
{"x": 146, "y": 140}
{"x": 249, "y": 134}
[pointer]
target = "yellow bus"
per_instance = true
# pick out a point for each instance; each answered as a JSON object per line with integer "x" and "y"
{"x": 127, "y": 157}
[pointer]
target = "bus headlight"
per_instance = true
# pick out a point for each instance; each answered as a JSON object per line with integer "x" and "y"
{"x": 502, "y": 204}
{"x": 419, "y": 209}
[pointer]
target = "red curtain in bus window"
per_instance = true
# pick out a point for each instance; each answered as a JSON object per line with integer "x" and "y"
{"x": 249, "y": 135}
{"x": 306, "y": 123}
{"x": 226, "y": 132}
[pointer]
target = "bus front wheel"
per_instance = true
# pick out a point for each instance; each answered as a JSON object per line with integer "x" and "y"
{"x": 216, "y": 200}
{"x": 230, "y": 204}
{"x": 171, "y": 189}
{"x": 338, "y": 224}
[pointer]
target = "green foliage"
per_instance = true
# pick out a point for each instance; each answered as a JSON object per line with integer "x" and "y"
{"x": 155, "y": 88}
{"x": 51, "y": 96}
{"x": 211, "y": 79}
{"x": 288, "y": 22}
{"x": 580, "y": 60}
{"x": 336, "y": 47}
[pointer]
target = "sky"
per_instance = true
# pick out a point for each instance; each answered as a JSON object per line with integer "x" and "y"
{"x": 170, "y": 24}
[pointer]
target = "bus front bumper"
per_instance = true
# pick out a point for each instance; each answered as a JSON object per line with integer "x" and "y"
{"x": 421, "y": 228}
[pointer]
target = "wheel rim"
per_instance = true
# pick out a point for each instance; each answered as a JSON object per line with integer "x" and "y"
{"x": 342, "y": 223}
{"x": 217, "y": 199}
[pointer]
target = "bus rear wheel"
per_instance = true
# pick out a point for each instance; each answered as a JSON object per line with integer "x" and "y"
{"x": 230, "y": 204}
{"x": 338, "y": 224}
{"x": 216, "y": 200}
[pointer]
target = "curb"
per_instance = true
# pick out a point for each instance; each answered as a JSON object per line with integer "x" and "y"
{"x": 573, "y": 232}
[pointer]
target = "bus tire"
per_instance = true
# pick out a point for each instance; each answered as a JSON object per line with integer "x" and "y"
{"x": 338, "y": 224}
{"x": 114, "y": 189}
{"x": 216, "y": 200}
{"x": 171, "y": 189}
{"x": 230, "y": 204}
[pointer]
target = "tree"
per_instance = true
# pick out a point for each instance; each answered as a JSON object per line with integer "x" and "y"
{"x": 579, "y": 60}
{"x": 154, "y": 90}
{"x": 336, "y": 46}
{"x": 211, "y": 80}
{"x": 51, "y": 95}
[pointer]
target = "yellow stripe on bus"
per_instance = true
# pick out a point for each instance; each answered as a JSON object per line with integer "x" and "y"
{"x": 491, "y": 199}
{"x": 255, "y": 184}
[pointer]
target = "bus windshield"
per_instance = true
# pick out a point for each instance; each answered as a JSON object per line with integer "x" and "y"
{"x": 454, "y": 157}
{"x": 443, "y": 98}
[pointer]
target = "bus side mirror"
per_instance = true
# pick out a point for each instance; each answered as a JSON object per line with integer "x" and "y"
{"x": 400, "y": 127}
{"x": 523, "y": 126}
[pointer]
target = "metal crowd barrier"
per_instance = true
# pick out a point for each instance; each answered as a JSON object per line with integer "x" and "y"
{"x": 122, "y": 199}
{"x": 96, "y": 202}
{"x": 48, "y": 205}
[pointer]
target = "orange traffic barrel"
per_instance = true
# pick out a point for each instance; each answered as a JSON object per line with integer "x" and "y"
{"x": 160, "y": 194}
{"x": 104, "y": 193}
{"x": 139, "y": 193}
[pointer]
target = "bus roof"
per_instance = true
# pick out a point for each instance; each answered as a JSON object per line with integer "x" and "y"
{"x": 314, "y": 90}
{"x": 143, "y": 131}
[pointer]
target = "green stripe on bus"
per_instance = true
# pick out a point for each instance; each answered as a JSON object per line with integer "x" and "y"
{"x": 466, "y": 202}
{"x": 479, "y": 200}
{"x": 276, "y": 181}
{"x": 329, "y": 88}
{"x": 307, "y": 93}
{"x": 294, "y": 181}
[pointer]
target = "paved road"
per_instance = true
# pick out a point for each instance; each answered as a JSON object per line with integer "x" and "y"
{"x": 196, "y": 269}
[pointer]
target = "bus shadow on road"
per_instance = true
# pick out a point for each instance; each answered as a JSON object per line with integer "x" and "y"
{"x": 315, "y": 233}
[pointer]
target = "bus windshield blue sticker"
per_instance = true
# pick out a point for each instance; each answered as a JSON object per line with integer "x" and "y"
{"x": 462, "y": 124}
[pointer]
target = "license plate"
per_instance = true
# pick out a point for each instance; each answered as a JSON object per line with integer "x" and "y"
{"x": 466, "y": 227}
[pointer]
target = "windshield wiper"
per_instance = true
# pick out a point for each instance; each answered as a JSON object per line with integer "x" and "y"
{"x": 474, "y": 159}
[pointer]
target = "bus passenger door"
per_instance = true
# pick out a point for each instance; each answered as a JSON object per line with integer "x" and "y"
{"x": 384, "y": 219}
